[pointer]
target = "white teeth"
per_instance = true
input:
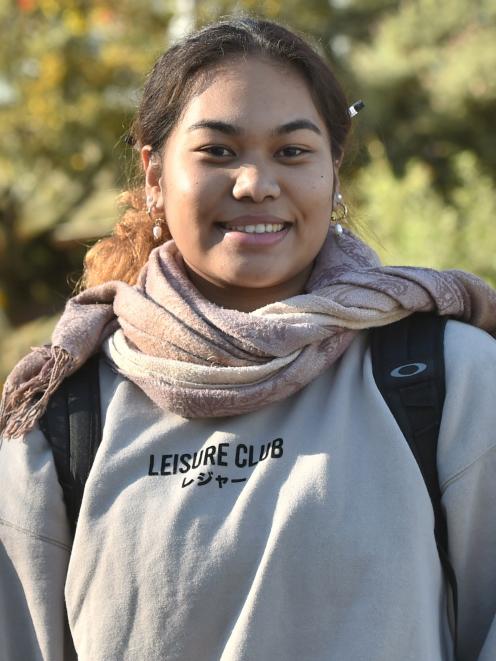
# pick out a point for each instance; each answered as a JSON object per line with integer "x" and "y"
{"x": 256, "y": 229}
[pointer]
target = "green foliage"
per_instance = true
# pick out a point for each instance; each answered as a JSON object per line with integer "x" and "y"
{"x": 71, "y": 72}
{"x": 413, "y": 221}
{"x": 425, "y": 184}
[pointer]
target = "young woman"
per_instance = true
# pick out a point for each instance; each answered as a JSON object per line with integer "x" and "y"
{"x": 253, "y": 498}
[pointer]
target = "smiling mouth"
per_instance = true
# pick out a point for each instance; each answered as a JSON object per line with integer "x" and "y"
{"x": 259, "y": 228}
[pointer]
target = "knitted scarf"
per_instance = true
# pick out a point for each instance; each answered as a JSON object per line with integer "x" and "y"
{"x": 197, "y": 359}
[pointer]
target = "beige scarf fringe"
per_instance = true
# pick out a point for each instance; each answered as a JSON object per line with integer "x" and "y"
{"x": 22, "y": 406}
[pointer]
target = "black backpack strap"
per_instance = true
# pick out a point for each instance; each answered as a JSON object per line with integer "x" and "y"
{"x": 408, "y": 368}
{"x": 72, "y": 425}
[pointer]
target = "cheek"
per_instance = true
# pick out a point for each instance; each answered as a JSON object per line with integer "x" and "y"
{"x": 315, "y": 199}
{"x": 314, "y": 185}
{"x": 193, "y": 196}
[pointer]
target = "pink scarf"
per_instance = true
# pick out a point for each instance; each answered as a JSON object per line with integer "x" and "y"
{"x": 197, "y": 359}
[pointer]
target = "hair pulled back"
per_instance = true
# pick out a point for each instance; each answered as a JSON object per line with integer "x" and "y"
{"x": 168, "y": 88}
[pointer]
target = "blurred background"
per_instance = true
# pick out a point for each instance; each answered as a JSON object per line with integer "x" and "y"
{"x": 419, "y": 175}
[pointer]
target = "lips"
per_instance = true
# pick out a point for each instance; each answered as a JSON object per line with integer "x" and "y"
{"x": 243, "y": 239}
{"x": 259, "y": 228}
{"x": 253, "y": 220}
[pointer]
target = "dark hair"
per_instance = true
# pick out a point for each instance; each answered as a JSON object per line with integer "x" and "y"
{"x": 174, "y": 76}
{"x": 170, "y": 85}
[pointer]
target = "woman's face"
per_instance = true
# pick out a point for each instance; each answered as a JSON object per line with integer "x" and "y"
{"x": 246, "y": 184}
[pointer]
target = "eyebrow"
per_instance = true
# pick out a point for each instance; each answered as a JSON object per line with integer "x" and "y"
{"x": 231, "y": 129}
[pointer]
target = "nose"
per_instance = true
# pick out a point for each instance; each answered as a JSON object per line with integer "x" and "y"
{"x": 255, "y": 183}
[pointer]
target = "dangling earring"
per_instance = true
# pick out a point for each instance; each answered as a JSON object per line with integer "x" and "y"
{"x": 157, "y": 230}
{"x": 339, "y": 214}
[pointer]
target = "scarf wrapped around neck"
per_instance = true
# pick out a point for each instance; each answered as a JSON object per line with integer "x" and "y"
{"x": 197, "y": 359}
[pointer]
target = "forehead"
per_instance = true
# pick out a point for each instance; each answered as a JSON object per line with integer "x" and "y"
{"x": 251, "y": 92}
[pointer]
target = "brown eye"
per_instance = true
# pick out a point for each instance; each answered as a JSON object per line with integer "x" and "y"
{"x": 218, "y": 151}
{"x": 292, "y": 152}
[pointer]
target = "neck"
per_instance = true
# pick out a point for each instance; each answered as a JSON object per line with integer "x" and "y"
{"x": 247, "y": 299}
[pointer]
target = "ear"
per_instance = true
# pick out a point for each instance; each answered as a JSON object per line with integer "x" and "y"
{"x": 336, "y": 186}
{"x": 152, "y": 166}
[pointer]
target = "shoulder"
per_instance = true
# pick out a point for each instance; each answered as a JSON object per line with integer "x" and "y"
{"x": 468, "y": 427}
{"x": 31, "y": 501}
{"x": 469, "y": 350}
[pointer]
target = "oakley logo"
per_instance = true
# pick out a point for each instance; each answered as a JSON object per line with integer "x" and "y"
{"x": 408, "y": 370}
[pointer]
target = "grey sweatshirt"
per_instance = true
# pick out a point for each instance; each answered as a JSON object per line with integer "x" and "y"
{"x": 300, "y": 532}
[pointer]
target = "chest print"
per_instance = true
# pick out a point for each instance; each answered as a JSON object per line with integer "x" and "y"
{"x": 223, "y": 455}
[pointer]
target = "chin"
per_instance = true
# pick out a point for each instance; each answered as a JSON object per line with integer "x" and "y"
{"x": 255, "y": 274}
{"x": 253, "y": 281}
